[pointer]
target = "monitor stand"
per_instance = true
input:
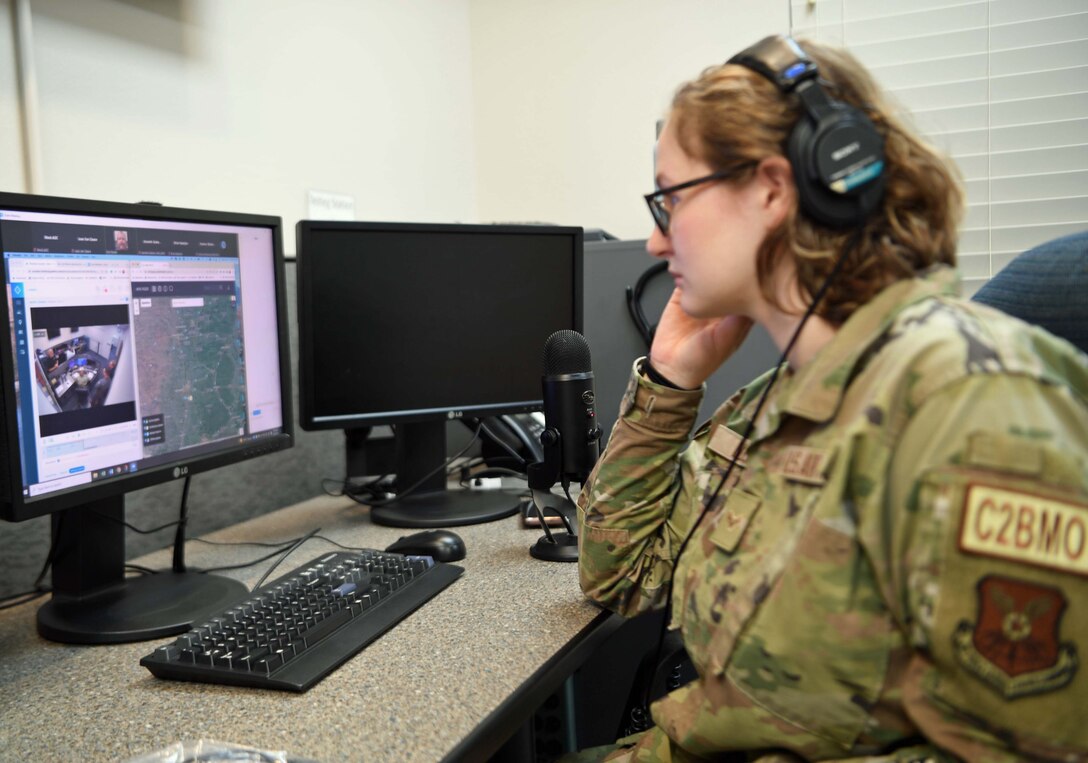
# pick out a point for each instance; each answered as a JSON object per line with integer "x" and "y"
{"x": 94, "y": 603}
{"x": 420, "y": 448}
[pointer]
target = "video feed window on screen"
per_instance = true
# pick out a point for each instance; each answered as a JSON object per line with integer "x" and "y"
{"x": 130, "y": 344}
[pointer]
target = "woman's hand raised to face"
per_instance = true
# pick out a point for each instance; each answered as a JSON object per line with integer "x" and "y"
{"x": 687, "y": 350}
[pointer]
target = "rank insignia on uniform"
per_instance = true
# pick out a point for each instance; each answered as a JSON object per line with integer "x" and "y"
{"x": 1014, "y": 645}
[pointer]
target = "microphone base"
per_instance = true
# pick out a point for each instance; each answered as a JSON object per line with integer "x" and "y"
{"x": 563, "y": 549}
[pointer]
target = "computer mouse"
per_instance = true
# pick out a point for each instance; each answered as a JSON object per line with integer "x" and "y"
{"x": 440, "y": 545}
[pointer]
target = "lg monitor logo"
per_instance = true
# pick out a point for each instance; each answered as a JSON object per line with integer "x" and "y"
{"x": 180, "y": 471}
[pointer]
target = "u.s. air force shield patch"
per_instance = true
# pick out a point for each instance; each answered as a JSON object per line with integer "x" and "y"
{"x": 1014, "y": 644}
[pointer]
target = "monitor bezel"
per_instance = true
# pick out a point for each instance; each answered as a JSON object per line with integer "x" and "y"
{"x": 308, "y": 419}
{"x": 16, "y": 507}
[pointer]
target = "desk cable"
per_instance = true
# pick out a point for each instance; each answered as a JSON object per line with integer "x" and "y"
{"x": 375, "y": 502}
{"x": 38, "y": 589}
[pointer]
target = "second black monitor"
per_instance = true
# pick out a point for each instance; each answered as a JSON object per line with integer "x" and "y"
{"x": 415, "y": 324}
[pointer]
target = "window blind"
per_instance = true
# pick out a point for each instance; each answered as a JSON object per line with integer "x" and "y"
{"x": 1002, "y": 86}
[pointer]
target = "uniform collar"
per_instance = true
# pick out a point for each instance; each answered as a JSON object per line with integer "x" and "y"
{"x": 814, "y": 392}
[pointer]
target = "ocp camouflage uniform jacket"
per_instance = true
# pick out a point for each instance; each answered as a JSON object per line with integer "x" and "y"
{"x": 898, "y": 567}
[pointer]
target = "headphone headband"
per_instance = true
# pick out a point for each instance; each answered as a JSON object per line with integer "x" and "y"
{"x": 779, "y": 59}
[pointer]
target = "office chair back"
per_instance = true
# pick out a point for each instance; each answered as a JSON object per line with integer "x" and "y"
{"x": 1046, "y": 286}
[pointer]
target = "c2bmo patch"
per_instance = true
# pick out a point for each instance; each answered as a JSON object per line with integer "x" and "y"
{"x": 1027, "y": 528}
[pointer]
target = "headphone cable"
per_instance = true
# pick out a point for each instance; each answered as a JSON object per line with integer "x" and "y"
{"x": 851, "y": 245}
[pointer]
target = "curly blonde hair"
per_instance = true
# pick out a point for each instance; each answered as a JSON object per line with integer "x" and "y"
{"x": 731, "y": 115}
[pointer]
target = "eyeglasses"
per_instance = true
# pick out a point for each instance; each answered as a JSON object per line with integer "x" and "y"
{"x": 661, "y": 207}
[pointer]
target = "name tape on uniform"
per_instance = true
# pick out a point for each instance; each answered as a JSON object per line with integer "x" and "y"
{"x": 801, "y": 463}
{"x": 1025, "y": 528}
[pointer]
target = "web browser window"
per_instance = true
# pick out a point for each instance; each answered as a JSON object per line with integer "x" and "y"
{"x": 135, "y": 341}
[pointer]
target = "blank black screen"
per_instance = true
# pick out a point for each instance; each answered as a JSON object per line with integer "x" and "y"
{"x": 415, "y": 321}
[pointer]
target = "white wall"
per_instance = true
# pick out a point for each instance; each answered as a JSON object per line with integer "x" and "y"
{"x": 568, "y": 92}
{"x": 247, "y": 104}
{"x": 11, "y": 167}
{"x": 435, "y": 110}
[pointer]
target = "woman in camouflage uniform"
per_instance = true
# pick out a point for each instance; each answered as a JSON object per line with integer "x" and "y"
{"x": 878, "y": 552}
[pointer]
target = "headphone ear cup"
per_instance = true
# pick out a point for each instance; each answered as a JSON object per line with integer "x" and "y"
{"x": 835, "y": 150}
{"x": 811, "y": 150}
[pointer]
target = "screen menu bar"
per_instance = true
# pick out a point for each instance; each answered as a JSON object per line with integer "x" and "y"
{"x": 50, "y": 238}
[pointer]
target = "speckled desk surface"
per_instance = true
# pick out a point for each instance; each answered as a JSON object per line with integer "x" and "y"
{"x": 412, "y": 695}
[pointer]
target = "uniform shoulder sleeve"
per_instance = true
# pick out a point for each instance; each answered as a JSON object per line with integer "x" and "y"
{"x": 984, "y": 561}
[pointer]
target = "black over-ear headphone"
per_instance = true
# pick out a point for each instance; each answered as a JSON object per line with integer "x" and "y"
{"x": 835, "y": 151}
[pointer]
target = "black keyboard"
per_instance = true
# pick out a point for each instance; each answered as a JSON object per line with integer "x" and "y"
{"x": 297, "y": 629}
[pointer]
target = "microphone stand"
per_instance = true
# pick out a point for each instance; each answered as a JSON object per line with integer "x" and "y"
{"x": 559, "y": 546}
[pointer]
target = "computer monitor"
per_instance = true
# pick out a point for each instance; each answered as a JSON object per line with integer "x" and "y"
{"x": 415, "y": 325}
{"x": 145, "y": 344}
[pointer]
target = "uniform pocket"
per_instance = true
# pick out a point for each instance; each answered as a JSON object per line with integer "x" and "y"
{"x": 718, "y": 578}
{"x": 817, "y": 652}
{"x": 746, "y": 552}
{"x": 780, "y": 600}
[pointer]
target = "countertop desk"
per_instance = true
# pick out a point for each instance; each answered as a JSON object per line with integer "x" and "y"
{"x": 451, "y": 682}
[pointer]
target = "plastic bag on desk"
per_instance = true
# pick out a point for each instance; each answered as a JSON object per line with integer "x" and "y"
{"x": 208, "y": 751}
